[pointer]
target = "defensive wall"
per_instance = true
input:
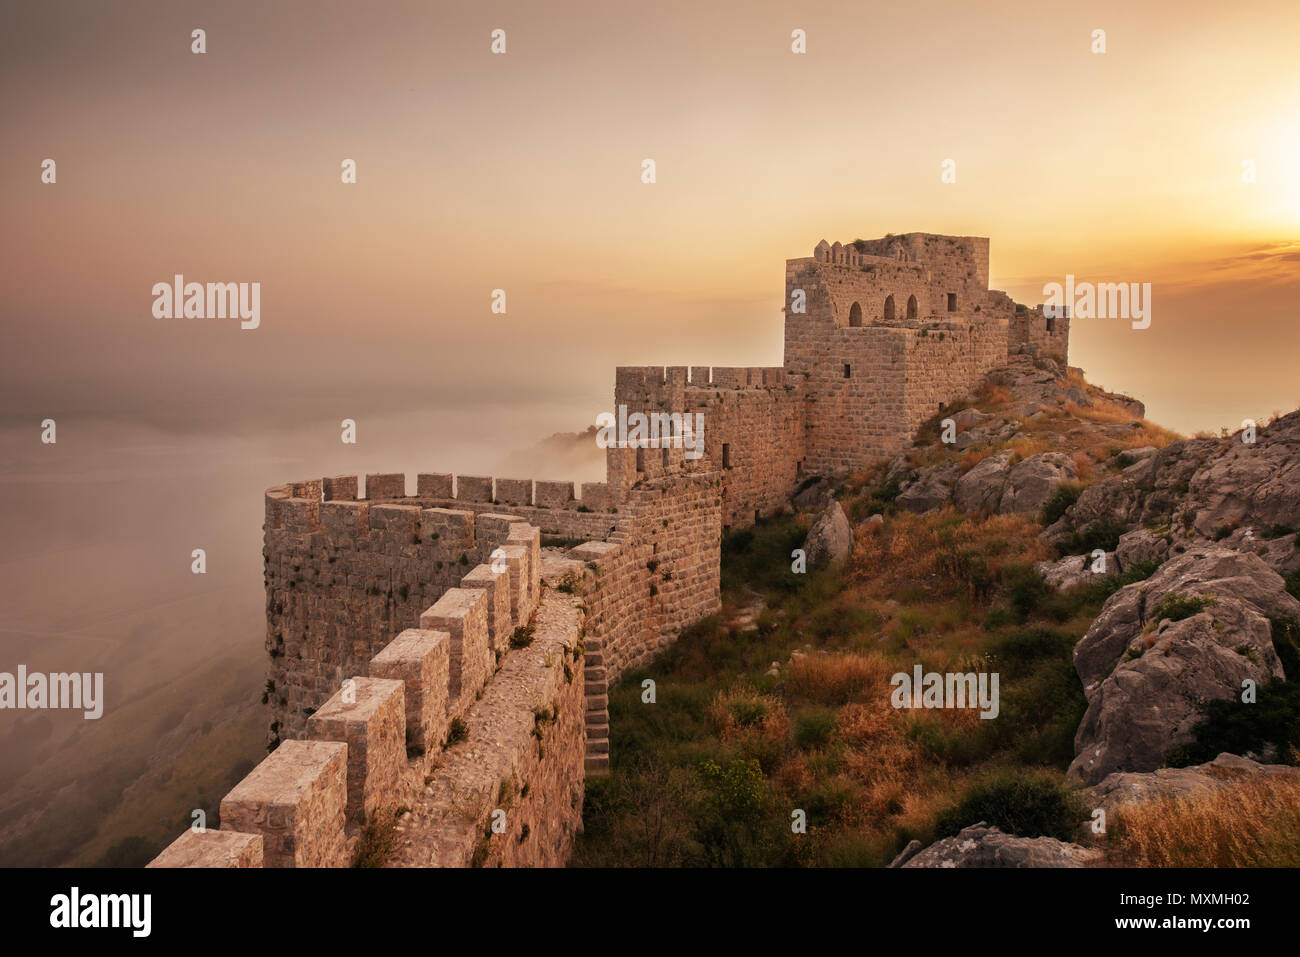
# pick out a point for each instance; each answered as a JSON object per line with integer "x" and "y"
{"x": 427, "y": 654}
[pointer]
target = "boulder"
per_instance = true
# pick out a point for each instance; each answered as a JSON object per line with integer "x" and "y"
{"x": 1202, "y": 780}
{"x": 931, "y": 488}
{"x": 1031, "y": 483}
{"x": 814, "y": 496}
{"x": 899, "y": 471}
{"x": 1074, "y": 570}
{"x": 1141, "y": 545}
{"x": 982, "y": 486}
{"x": 982, "y": 846}
{"x": 967, "y": 418}
{"x": 1147, "y": 680}
{"x": 831, "y": 537}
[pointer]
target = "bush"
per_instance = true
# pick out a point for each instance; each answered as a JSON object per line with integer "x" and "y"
{"x": 1104, "y": 533}
{"x": 1176, "y": 607}
{"x": 1026, "y": 590}
{"x": 1230, "y": 725}
{"x": 1286, "y": 642}
{"x": 1066, "y": 494}
{"x": 1023, "y": 803}
{"x": 813, "y": 728}
{"x": 759, "y": 557}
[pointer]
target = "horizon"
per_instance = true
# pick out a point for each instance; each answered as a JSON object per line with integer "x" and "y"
{"x": 508, "y": 185}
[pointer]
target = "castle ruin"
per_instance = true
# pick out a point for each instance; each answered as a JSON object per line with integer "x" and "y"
{"x": 427, "y": 654}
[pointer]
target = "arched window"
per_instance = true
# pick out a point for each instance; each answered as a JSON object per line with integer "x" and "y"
{"x": 911, "y": 307}
{"x": 889, "y": 307}
{"x": 855, "y": 315}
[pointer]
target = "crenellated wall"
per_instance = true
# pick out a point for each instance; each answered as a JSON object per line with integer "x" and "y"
{"x": 754, "y": 422}
{"x": 447, "y": 722}
{"x": 426, "y": 654}
{"x": 343, "y": 576}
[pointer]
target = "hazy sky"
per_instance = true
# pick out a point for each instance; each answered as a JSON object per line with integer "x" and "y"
{"x": 522, "y": 172}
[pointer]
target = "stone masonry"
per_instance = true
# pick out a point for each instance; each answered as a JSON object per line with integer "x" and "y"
{"x": 425, "y": 653}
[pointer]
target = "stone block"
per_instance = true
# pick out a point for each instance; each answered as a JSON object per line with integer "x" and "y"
{"x": 421, "y": 661}
{"x": 296, "y": 800}
{"x": 211, "y": 848}
{"x": 369, "y": 716}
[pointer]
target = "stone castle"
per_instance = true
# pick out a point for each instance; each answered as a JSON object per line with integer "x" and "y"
{"x": 427, "y": 655}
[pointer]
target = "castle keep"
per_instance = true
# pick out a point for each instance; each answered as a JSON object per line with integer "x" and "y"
{"x": 426, "y": 653}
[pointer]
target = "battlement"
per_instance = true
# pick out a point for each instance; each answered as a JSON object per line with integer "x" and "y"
{"x": 426, "y": 652}
{"x": 700, "y": 377}
{"x": 371, "y": 745}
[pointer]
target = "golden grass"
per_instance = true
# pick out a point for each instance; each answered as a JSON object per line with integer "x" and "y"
{"x": 732, "y": 713}
{"x": 1253, "y": 823}
{"x": 838, "y": 678}
{"x": 928, "y": 550}
{"x": 1031, "y": 445}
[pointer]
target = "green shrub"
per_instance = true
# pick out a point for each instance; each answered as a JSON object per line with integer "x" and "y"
{"x": 813, "y": 728}
{"x": 1178, "y": 607}
{"x": 1286, "y": 642}
{"x": 1026, "y": 590}
{"x": 1103, "y": 533}
{"x": 1066, "y": 494}
{"x": 759, "y": 557}
{"x": 1019, "y": 802}
{"x": 1236, "y": 727}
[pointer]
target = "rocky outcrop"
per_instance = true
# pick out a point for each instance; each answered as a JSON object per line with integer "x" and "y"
{"x": 982, "y": 846}
{"x": 814, "y": 495}
{"x": 1032, "y": 482}
{"x": 831, "y": 537}
{"x": 1202, "y": 780}
{"x": 932, "y": 488}
{"x": 1074, "y": 570}
{"x": 1149, "y": 667}
{"x": 982, "y": 486}
{"x": 1245, "y": 495}
{"x": 1141, "y": 546}
{"x": 1001, "y": 484}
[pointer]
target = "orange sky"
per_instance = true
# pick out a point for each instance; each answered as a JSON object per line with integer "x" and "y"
{"x": 521, "y": 172}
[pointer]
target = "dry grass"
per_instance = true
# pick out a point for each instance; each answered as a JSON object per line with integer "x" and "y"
{"x": 741, "y": 712}
{"x": 1254, "y": 823}
{"x": 933, "y": 550}
{"x": 1024, "y": 448}
{"x": 836, "y": 679}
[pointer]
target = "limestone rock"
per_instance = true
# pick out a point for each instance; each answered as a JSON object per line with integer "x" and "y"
{"x": 830, "y": 538}
{"x": 1031, "y": 483}
{"x": 932, "y": 488}
{"x": 968, "y": 418}
{"x": 983, "y": 485}
{"x": 814, "y": 497}
{"x": 906, "y": 854}
{"x": 1072, "y": 571}
{"x": 1142, "y": 707}
{"x": 982, "y": 846}
{"x": 1141, "y": 545}
{"x": 1122, "y": 787}
{"x": 1246, "y": 495}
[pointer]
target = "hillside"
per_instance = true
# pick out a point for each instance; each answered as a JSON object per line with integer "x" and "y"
{"x": 1023, "y": 546}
